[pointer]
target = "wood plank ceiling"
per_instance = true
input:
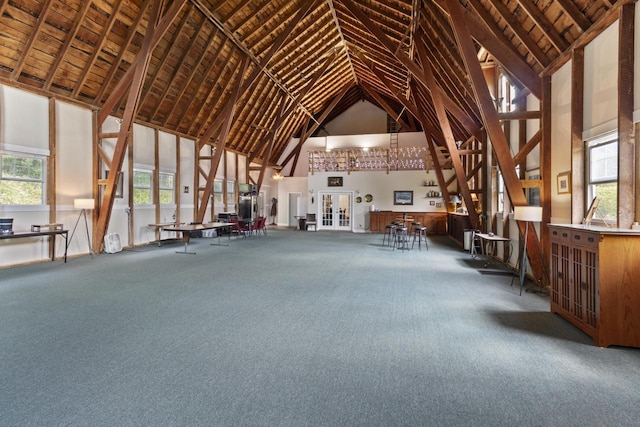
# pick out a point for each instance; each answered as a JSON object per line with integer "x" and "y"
{"x": 79, "y": 50}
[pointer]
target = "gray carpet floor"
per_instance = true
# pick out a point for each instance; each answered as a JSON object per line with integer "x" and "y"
{"x": 297, "y": 329}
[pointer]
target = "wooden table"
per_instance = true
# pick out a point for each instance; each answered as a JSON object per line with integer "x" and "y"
{"x": 49, "y": 233}
{"x": 188, "y": 228}
{"x": 488, "y": 240}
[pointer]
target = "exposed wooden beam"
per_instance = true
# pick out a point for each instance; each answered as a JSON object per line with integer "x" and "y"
{"x": 627, "y": 149}
{"x": 585, "y": 38}
{"x": 449, "y": 139}
{"x": 496, "y": 134}
{"x": 577, "y": 144}
{"x": 521, "y": 32}
{"x": 123, "y": 84}
{"x": 572, "y": 11}
{"x": 17, "y": 69}
{"x": 544, "y": 25}
{"x": 220, "y": 145}
{"x": 451, "y": 105}
{"x": 133, "y": 98}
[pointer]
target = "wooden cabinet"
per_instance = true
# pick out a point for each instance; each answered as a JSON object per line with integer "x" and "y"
{"x": 436, "y": 222}
{"x": 595, "y": 282}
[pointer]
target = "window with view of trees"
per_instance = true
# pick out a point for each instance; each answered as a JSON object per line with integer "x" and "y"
{"x": 166, "y": 188}
{"x": 602, "y": 175}
{"x": 22, "y": 179}
{"x": 142, "y": 181}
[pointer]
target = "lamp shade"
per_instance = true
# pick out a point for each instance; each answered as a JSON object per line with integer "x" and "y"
{"x": 455, "y": 199}
{"x": 527, "y": 213}
{"x": 84, "y": 203}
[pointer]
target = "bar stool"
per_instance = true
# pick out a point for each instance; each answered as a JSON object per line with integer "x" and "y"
{"x": 388, "y": 234}
{"x": 420, "y": 233}
{"x": 414, "y": 224}
{"x": 401, "y": 240}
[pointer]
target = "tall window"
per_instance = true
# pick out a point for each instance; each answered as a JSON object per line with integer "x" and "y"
{"x": 167, "y": 188}
{"x": 231, "y": 193}
{"x": 142, "y": 180}
{"x": 602, "y": 175}
{"x": 22, "y": 179}
{"x": 217, "y": 191}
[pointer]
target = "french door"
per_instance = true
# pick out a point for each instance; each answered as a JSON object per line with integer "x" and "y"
{"x": 336, "y": 208}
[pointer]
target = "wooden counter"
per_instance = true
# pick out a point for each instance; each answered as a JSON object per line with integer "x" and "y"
{"x": 457, "y": 223}
{"x": 436, "y": 222}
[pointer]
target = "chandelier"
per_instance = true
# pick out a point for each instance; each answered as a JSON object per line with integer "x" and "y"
{"x": 277, "y": 176}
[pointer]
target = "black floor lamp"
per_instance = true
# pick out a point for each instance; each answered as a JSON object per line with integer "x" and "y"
{"x": 527, "y": 214}
{"x": 84, "y": 205}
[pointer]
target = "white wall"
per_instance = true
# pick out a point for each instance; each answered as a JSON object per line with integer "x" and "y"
{"x": 359, "y": 119}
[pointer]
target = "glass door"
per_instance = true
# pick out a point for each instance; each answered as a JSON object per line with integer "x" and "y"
{"x": 335, "y": 211}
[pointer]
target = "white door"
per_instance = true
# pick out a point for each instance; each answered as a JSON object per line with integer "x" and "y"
{"x": 335, "y": 211}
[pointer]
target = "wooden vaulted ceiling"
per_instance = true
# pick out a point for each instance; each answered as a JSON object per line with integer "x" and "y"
{"x": 79, "y": 50}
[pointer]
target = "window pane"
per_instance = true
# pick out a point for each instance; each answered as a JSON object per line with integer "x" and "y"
{"x": 141, "y": 179}
{"x": 21, "y": 192}
{"x": 26, "y": 168}
{"x": 604, "y": 162}
{"x": 166, "y": 196}
{"x": 166, "y": 181}
{"x": 141, "y": 196}
{"x": 608, "y": 193}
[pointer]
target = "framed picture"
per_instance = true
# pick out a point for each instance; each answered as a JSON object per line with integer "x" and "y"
{"x": 432, "y": 203}
{"x": 564, "y": 183}
{"x": 403, "y": 197}
{"x": 334, "y": 181}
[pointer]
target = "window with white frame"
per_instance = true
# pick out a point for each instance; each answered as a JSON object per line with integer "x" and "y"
{"x": 602, "y": 175}
{"x": 217, "y": 191}
{"x": 22, "y": 179}
{"x": 231, "y": 193}
{"x": 167, "y": 188}
{"x": 142, "y": 187}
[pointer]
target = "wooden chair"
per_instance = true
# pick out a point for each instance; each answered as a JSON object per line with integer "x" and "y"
{"x": 311, "y": 220}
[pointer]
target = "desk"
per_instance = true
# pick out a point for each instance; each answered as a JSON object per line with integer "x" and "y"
{"x": 187, "y": 229}
{"x": 52, "y": 239}
{"x": 162, "y": 226}
{"x": 487, "y": 241}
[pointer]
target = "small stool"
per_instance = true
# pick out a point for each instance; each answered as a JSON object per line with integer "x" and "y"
{"x": 420, "y": 233}
{"x": 401, "y": 240}
{"x": 388, "y": 234}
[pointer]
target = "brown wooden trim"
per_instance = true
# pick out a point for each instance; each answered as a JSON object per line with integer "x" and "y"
{"x": 626, "y": 127}
{"x": 577, "y": 127}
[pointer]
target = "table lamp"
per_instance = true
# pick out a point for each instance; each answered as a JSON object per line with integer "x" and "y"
{"x": 455, "y": 199}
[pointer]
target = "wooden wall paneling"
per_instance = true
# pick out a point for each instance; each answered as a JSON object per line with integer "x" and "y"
{"x": 626, "y": 127}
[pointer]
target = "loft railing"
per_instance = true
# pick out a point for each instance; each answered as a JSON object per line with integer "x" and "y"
{"x": 373, "y": 159}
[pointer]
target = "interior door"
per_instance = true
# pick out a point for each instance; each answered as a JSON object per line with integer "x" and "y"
{"x": 336, "y": 211}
